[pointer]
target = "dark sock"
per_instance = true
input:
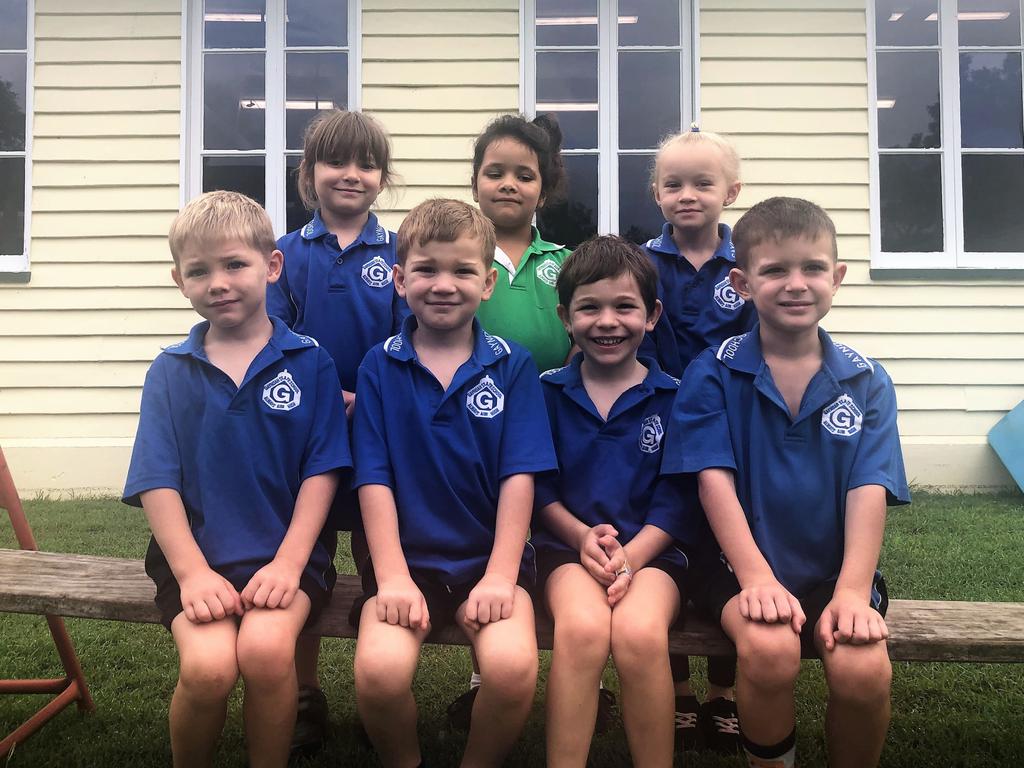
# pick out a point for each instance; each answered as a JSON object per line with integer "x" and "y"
{"x": 784, "y": 751}
{"x": 680, "y": 668}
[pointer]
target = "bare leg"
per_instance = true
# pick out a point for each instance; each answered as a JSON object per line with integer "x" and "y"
{"x": 583, "y": 622}
{"x": 640, "y": 625}
{"x": 385, "y": 663}
{"x": 208, "y": 672}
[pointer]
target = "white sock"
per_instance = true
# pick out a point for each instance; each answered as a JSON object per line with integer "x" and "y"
{"x": 474, "y": 680}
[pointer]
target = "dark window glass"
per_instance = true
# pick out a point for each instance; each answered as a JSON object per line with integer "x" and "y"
{"x": 906, "y": 22}
{"x": 640, "y": 217}
{"x": 12, "y": 102}
{"x": 296, "y": 214}
{"x": 317, "y": 22}
{"x": 910, "y": 188}
{"x": 12, "y": 205}
{"x": 649, "y": 97}
{"x": 314, "y": 82}
{"x": 15, "y": 25}
{"x": 993, "y": 190}
{"x": 990, "y": 100}
{"x": 240, "y": 174}
{"x": 908, "y": 99}
{"x": 567, "y": 85}
{"x": 574, "y": 220}
{"x": 234, "y": 24}
{"x": 649, "y": 22}
{"x": 566, "y": 22}
{"x": 234, "y": 101}
{"x": 989, "y": 22}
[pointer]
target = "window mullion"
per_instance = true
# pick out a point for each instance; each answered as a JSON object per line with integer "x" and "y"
{"x": 275, "y": 115}
{"x": 607, "y": 134}
{"x": 355, "y": 55}
{"x": 949, "y": 100}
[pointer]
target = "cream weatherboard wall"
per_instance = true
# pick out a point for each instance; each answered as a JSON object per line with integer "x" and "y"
{"x": 787, "y": 79}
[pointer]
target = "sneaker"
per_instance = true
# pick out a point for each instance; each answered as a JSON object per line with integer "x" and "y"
{"x": 687, "y": 714}
{"x": 720, "y": 726}
{"x": 310, "y": 723}
{"x": 460, "y": 711}
{"x": 607, "y": 711}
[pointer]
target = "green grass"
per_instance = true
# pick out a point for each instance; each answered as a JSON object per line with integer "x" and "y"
{"x": 941, "y": 547}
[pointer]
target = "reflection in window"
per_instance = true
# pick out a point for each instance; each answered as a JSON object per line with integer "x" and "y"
{"x": 993, "y": 189}
{"x": 990, "y": 100}
{"x": 13, "y": 88}
{"x": 571, "y": 221}
{"x": 911, "y": 196}
{"x": 908, "y": 99}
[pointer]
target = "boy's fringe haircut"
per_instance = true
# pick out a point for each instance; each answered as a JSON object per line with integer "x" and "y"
{"x": 607, "y": 256}
{"x": 441, "y": 220}
{"x": 781, "y": 218}
{"x": 339, "y": 136}
{"x": 694, "y": 136}
{"x": 215, "y": 217}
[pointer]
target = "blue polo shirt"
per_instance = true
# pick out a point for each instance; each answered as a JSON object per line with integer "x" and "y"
{"x": 444, "y": 452}
{"x": 701, "y": 307}
{"x": 792, "y": 475}
{"x": 237, "y": 455}
{"x": 343, "y": 298}
{"x": 609, "y": 471}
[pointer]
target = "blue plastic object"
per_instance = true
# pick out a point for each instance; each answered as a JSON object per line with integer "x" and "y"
{"x": 1007, "y": 440}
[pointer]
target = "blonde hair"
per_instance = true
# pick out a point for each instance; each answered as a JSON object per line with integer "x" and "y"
{"x": 214, "y": 217}
{"x": 442, "y": 220}
{"x": 730, "y": 157}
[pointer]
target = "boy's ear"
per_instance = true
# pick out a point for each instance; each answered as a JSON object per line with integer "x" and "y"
{"x": 838, "y": 274}
{"x": 655, "y": 315}
{"x": 275, "y": 263}
{"x": 738, "y": 280}
{"x": 563, "y": 315}
{"x": 733, "y": 193}
{"x": 398, "y": 278}
{"x": 489, "y": 282}
{"x": 176, "y": 277}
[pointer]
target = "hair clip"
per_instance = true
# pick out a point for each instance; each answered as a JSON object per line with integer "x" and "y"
{"x": 694, "y": 128}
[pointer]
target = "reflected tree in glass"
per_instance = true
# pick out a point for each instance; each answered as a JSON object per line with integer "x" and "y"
{"x": 12, "y": 118}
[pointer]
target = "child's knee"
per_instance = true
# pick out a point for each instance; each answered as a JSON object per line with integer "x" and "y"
{"x": 768, "y": 655}
{"x": 208, "y": 676}
{"x": 510, "y": 672}
{"x": 859, "y": 673}
{"x": 266, "y": 658}
{"x": 584, "y": 636}
{"x": 380, "y": 677}
{"x": 638, "y": 640}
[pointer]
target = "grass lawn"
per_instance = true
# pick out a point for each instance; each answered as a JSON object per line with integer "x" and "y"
{"x": 941, "y": 547}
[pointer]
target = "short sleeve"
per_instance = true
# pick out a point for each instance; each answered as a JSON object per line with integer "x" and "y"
{"x": 526, "y": 444}
{"x": 156, "y": 460}
{"x": 546, "y": 484}
{"x": 328, "y": 445}
{"x": 373, "y": 463}
{"x": 879, "y": 459}
{"x": 698, "y": 433}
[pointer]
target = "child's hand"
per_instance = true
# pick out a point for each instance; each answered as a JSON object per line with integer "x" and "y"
{"x": 489, "y": 601}
{"x": 399, "y": 601}
{"x": 594, "y": 554}
{"x": 350, "y": 402}
{"x": 272, "y": 586}
{"x": 617, "y": 567}
{"x": 771, "y": 603}
{"x": 849, "y": 619}
{"x": 208, "y": 596}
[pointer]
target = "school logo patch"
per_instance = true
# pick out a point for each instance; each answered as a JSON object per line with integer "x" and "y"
{"x": 377, "y": 273}
{"x": 282, "y": 393}
{"x": 485, "y": 400}
{"x": 651, "y": 433}
{"x": 843, "y": 417}
{"x": 726, "y": 296}
{"x": 547, "y": 272}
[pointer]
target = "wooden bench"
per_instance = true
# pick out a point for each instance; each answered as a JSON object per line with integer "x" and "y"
{"x": 112, "y": 588}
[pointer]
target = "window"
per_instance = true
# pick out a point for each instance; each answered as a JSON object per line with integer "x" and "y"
{"x": 948, "y": 134}
{"x": 260, "y": 71}
{"x": 15, "y": 136}
{"x": 618, "y": 75}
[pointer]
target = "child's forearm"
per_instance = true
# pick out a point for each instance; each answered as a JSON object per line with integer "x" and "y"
{"x": 380, "y": 522}
{"x": 729, "y": 523}
{"x": 564, "y": 524}
{"x": 648, "y": 543}
{"x": 515, "y": 500}
{"x": 311, "y": 507}
{"x": 165, "y": 513}
{"x": 865, "y": 526}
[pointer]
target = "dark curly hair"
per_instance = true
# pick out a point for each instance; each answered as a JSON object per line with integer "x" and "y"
{"x": 542, "y": 135}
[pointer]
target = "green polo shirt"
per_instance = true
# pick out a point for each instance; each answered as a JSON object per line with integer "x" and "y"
{"x": 522, "y": 307}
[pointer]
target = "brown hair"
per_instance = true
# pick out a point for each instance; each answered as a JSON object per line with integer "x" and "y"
{"x": 781, "y": 218}
{"x": 542, "y": 134}
{"x": 340, "y": 137}
{"x": 607, "y": 256}
{"x": 215, "y": 217}
{"x": 441, "y": 220}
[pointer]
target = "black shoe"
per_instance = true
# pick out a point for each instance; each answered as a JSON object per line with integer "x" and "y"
{"x": 720, "y": 726}
{"x": 310, "y": 723}
{"x": 607, "y": 711}
{"x": 460, "y": 711}
{"x": 686, "y": 717}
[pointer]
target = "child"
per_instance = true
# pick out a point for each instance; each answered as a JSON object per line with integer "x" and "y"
{"x": 449, "y": 430}
{"x": 516, "y": 169}
{"x": 695, "y": 177}
{"x": 794, "y": 436}
{"x": 336, "y": 287}
{"x": 612, "y": 578}
{"x": 241, "y": 436}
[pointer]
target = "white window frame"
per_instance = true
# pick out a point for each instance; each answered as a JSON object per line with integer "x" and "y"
{"x": 953, "y": 256}
{"x": 275, "y": 139}
{"x": 14, "y": 267}
{"x": 607, "y": 47}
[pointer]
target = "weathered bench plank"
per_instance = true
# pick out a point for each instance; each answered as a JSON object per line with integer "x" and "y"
{"x": 92, "y": 587}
